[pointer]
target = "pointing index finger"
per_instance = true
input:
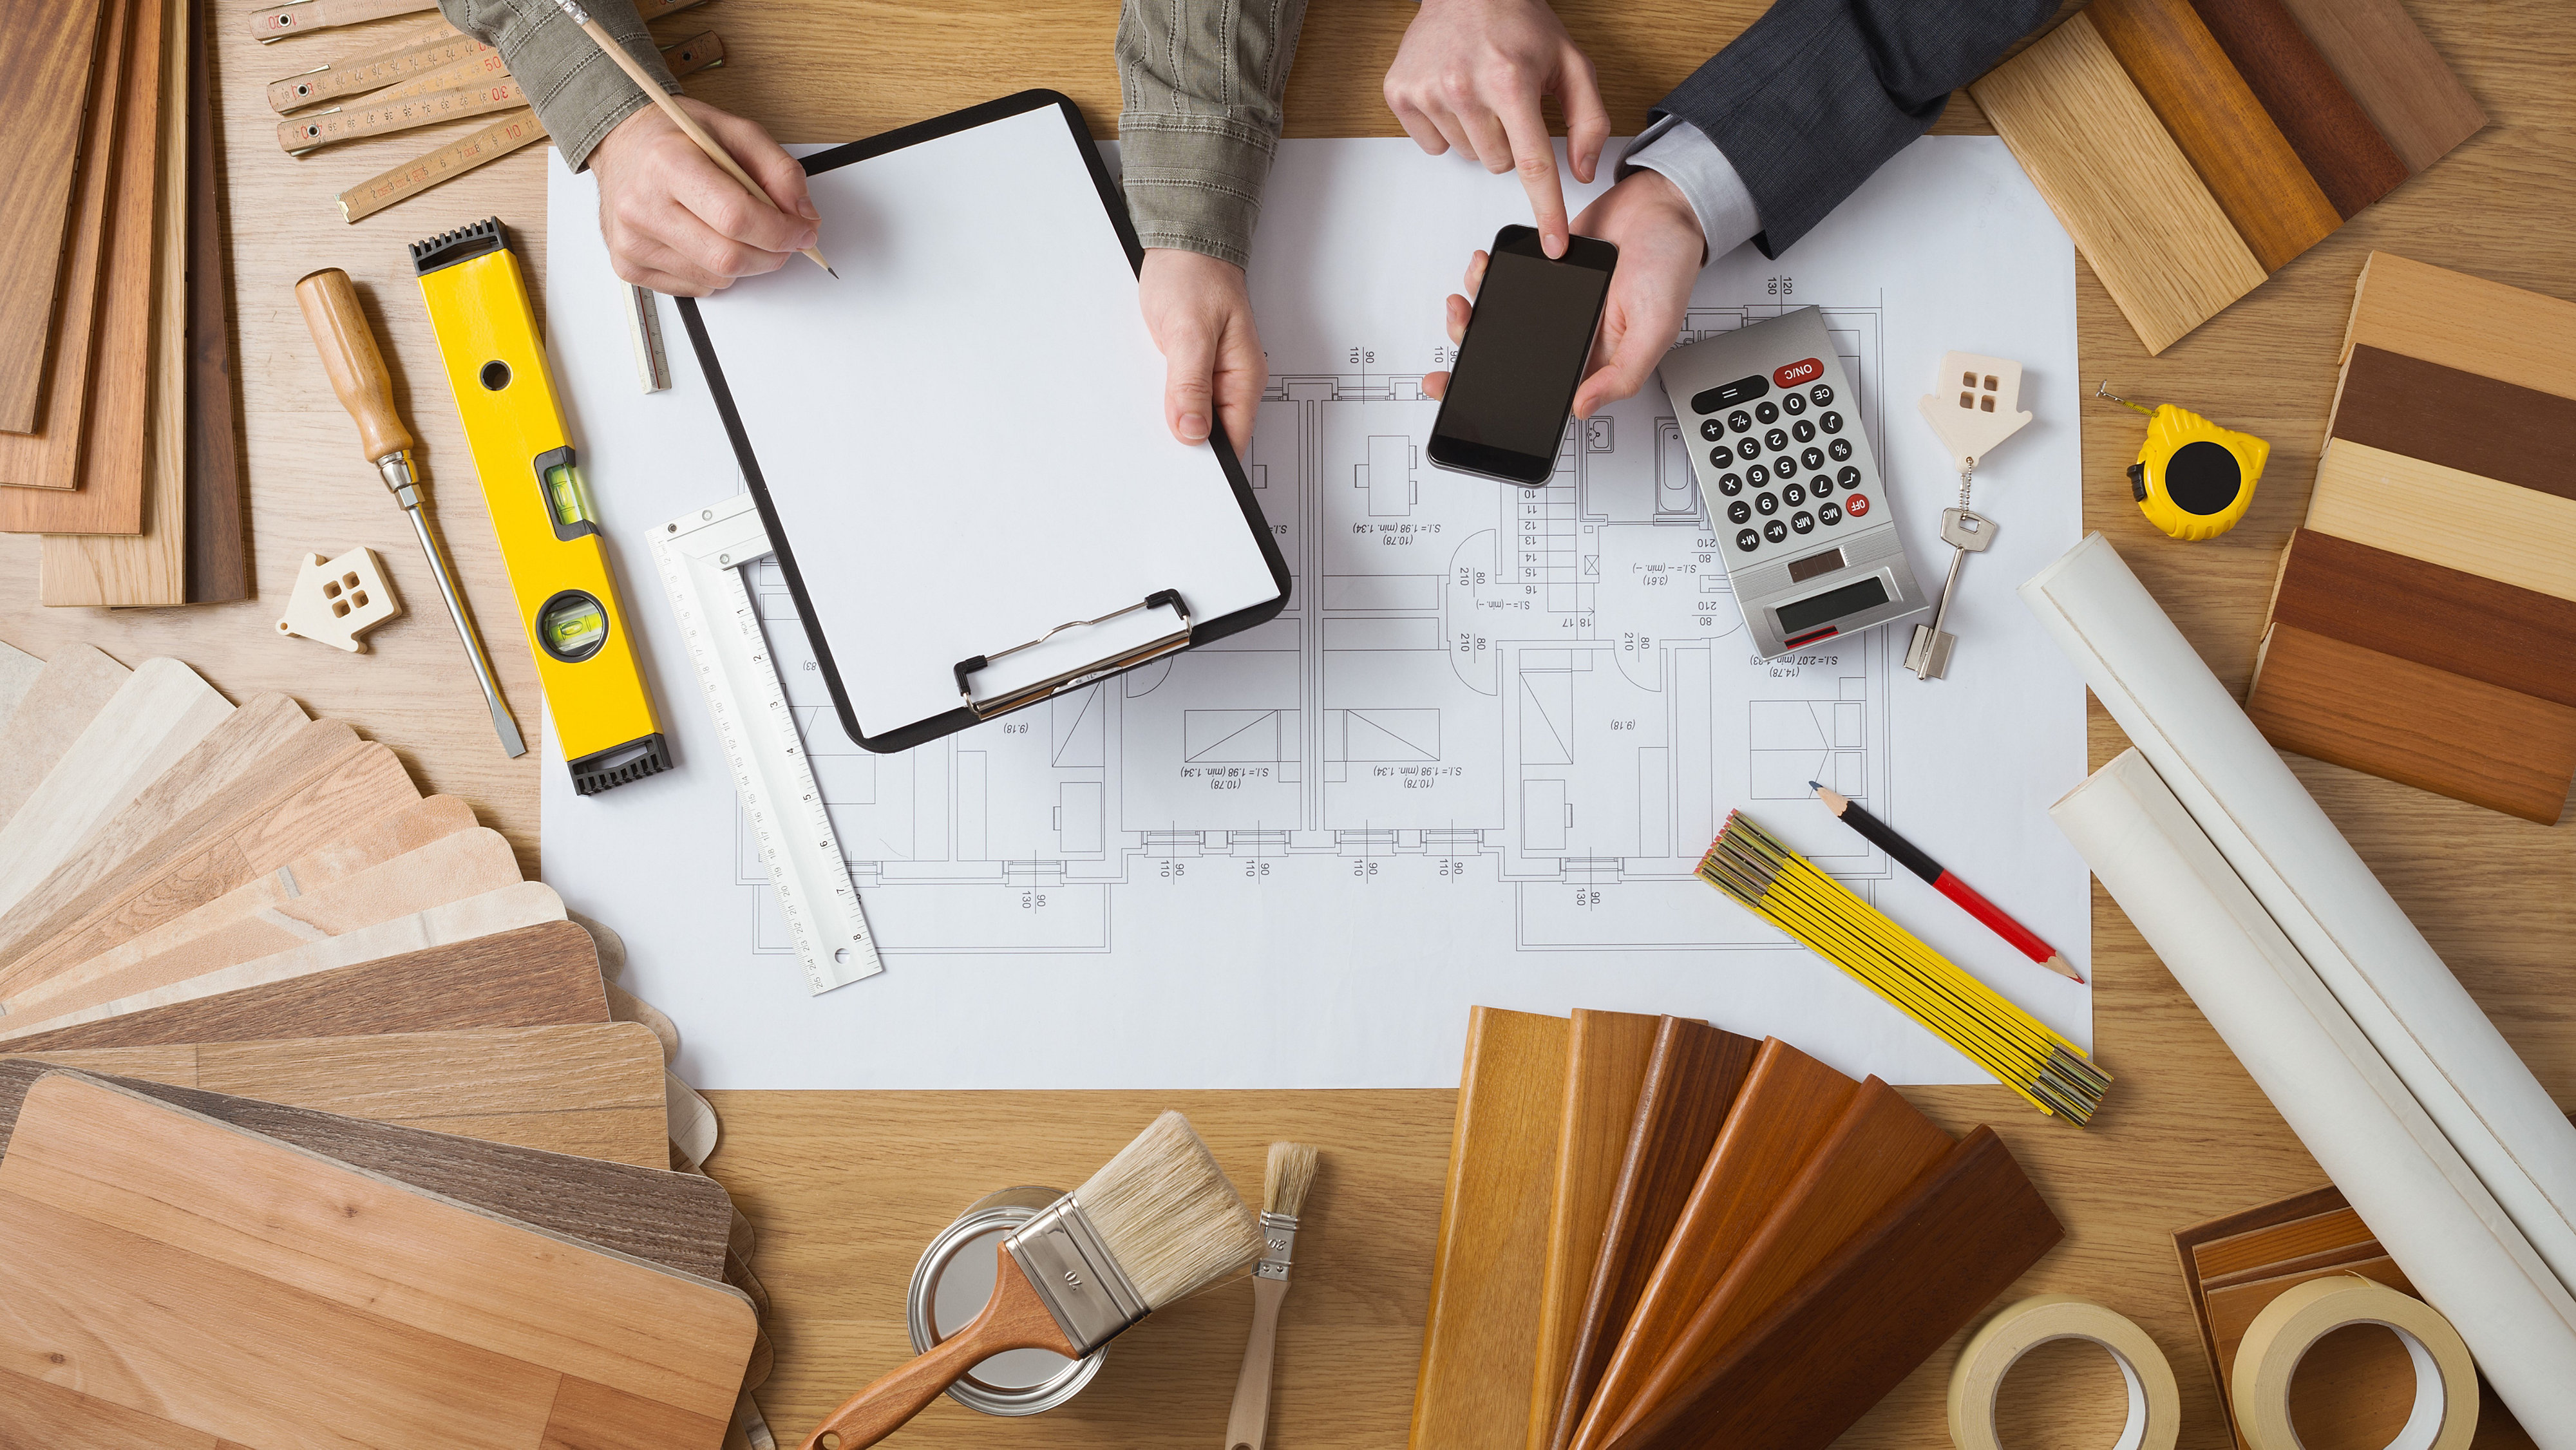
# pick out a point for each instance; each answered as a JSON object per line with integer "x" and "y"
{"x": 1534, "y": 157}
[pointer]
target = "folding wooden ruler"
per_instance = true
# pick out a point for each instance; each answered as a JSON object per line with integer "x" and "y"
{"x": 513, "y": 130}
{"x": 702, "y": 556}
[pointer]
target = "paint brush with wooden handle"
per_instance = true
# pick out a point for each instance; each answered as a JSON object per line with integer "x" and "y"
{"x": 1283, "y": 1196}
{"x": 1155, "y": 1225}
{"x": 679, "y": 117}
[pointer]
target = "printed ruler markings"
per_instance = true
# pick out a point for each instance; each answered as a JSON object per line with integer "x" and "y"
{"x": 415, "y": 52}
{"x": 701, "y": 557}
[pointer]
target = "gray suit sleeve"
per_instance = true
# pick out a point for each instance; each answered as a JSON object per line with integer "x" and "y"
{"x": 579, "y": 93}
{"x": 1200, "y": 82}
{"x": 1817, "y": 94}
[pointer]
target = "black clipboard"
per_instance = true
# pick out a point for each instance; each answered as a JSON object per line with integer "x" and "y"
{"x": 1188, "y": 632}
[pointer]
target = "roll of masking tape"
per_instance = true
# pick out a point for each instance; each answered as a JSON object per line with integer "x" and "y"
{"x": 2446, "y": 1379}
{"x": 2155, "y": 1405}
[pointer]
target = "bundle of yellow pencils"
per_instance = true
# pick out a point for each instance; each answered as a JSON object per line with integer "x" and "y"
{"x": 1780, "y": 886}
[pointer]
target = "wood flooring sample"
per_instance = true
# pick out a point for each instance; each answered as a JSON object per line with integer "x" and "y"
{"x": 1478, "y": 1349}
{"x": 2394, "y": 72}
{"x": 1879, "y": 1146}
{"x": 527, "y": 903}
{"x": 307, "y": 747}
{"x": 677, "y": 1220}
{"x": 18, "y": 671}
{"x": 157, "y": 715}
{"x": 218, "y": 568}
{"x": 48, "y": 52}
{"x": 49, "y": 457}
{"x": 362, "y": 783}
{"x": 1692, "y": 1083}
{"x": 2242, "y": 157}
{"x": 105, "y": 464}
{"x": 258, "y": 726}
{"x": 2274, "y": 1243}
{"x": 147, "y": 567}
{"x": 269, "y": 920}
{"x": 2464, "y": 322}
{"x": 2479, "y": 425}
{"x": 1789, "y": 1104}
{"x": 2516, "y": 639}
{"x": 534, "y": 976}
{"x": 2160, "y": 242}
{"x": 255, "y": 1292}
{"x": 1918, "y": 1271}
{"x": 2413, "y": 724}
{"x": 591, "y": 1091}
{"x": 1607, "y": 1055}
{"x": 2335, "y": 138}
{"x": 2516, "y": 536}
{"x": 74, "y": 686}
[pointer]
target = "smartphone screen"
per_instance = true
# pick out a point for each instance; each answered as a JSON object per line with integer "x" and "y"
{"x": 1513, "y": 384}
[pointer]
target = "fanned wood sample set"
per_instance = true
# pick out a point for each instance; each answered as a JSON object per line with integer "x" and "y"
{"x": 2195, "y": 147}
{"x": 437, "y": 1171}
{"x": 2423, "y": 628}
{"x": 126, "y": 454}
{"x": 2351, "y": 1389}
{"x": 418, "y": 74}
{"x": 1777, "y": 1247}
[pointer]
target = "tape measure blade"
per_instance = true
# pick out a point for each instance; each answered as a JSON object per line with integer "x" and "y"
{"x": 701, "y": 558}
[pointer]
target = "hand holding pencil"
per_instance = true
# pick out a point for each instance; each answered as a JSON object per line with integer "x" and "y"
{"x": 670, "y": 109}
{"x": 1880, "y": 834}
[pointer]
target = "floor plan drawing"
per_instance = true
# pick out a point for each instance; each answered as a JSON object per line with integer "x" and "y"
{"x": 1473, "y": 761}
{"x": 1543, "y": 693}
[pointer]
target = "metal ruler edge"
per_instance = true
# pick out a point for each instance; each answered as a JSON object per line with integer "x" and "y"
{"x": 701, "y": 556}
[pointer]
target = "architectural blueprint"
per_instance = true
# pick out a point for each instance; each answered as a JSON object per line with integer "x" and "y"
{"x": 1474, "y": 760}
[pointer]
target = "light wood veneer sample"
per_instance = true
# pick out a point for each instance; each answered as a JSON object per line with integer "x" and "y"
{"x": 2094, "y": 148}
{"x": 256, "y": 1292}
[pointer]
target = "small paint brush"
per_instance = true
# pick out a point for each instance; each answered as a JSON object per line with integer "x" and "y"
{"x": 671, "y": 108}
{"x": 1158, "y": 1223}
{"x": 1283, "y": 1196}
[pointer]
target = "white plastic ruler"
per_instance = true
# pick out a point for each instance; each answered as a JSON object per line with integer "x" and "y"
{"x": 701, "y": 556}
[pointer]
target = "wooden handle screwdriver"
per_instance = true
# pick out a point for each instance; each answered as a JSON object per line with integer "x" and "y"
{"x": 357, "y": 372}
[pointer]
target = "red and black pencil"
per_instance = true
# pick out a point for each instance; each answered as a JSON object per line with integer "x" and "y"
{"x": 1880, "y": 834}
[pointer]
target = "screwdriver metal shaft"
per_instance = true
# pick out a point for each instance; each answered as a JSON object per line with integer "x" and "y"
{"x": 358, "y": 376}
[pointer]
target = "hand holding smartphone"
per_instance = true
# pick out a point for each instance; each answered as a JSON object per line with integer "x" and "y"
{"x": 1512, "y": 387}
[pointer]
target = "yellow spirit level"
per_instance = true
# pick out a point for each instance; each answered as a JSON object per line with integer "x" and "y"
{"x": 2193, "y": 479}
{"x": 496, "y": 366}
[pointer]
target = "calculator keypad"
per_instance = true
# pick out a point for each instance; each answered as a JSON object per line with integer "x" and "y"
{"x": 1756, "y": 451}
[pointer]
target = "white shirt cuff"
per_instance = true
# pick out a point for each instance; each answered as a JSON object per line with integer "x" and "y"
{"x": 1686, "y": 157}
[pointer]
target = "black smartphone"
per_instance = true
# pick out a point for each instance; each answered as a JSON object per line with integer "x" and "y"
{"x": 1513, "y": 384}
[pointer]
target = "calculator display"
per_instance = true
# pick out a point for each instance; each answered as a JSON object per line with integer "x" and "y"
{"x": 1798, "y": 617}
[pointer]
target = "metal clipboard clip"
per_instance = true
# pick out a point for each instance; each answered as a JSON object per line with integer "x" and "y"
{"x": 1080, "y": 674}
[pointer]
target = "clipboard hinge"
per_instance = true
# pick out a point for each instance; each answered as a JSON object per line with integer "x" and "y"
{"x": 1080, "y": 674}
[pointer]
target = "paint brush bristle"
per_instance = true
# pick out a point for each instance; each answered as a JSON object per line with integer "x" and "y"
{"x": 1290, "y": 1174}
{"x": 1169, "y": 1215}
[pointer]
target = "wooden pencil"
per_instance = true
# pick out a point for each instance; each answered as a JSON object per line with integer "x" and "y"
{"x": 670, "y": 107}
{"x": 1782, "y": 887}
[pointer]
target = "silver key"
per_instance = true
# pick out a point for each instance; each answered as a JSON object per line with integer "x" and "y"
{"x": 1928, "y": 653}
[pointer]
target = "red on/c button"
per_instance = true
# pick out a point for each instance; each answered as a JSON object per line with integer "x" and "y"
{"x": 1799, "y": 372}
{"x": 1857, "y": 505}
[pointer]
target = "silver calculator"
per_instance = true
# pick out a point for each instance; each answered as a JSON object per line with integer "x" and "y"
{"x": 1792, "y": 490}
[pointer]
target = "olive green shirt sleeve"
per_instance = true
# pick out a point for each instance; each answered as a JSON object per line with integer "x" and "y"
{"x": 1200, "y": 82}
{"x": 579, "y": 93}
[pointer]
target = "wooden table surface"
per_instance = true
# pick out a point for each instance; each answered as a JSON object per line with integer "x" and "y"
{"x": 847, "y": 1187}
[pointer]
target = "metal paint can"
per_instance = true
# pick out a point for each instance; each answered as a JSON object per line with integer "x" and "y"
{"x": 950, "y": 1287}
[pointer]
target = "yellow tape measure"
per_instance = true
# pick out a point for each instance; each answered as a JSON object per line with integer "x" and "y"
{"x": 2193, "y": 479}
{"x": 549, "y": 534}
